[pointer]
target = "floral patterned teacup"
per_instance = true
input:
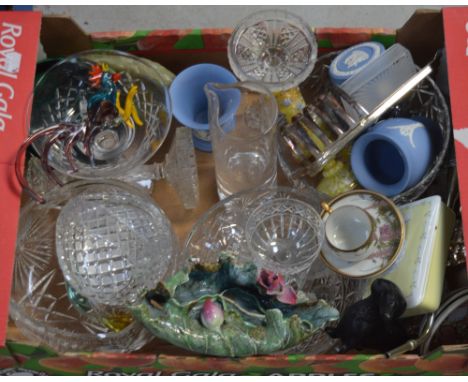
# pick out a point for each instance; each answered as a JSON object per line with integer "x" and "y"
{"x": 349, "y": 230}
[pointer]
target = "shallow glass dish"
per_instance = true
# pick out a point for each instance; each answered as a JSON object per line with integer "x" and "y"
{"x": 72, "y": 92}
{"x": 425, "y": 101}
{"x": 43, "y": 304}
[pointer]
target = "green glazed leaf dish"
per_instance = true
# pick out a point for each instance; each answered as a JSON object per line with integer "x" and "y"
{"x": 226, "y": 309}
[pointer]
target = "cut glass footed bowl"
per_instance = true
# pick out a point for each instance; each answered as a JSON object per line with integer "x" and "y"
{"x": 45, "y": 306}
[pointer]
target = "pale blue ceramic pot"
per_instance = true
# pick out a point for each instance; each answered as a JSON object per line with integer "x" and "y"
{"x": 393, "y": 156}
{"x": 189, "y": 102}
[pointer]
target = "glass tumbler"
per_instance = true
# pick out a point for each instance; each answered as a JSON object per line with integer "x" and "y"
{"x": 244, "y": 135}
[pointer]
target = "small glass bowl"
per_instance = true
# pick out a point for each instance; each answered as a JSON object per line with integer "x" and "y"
{"x": 272, "y": 46}
{"x": 223, "y": 227}
{"x": 285, "y": 235}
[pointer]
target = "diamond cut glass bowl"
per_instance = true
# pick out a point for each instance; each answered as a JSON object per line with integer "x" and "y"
{"x": 62, "y": 95}
{"x": 112, "y": 244}
{"x": 275, "y": 47}
{"x": 42, "y": 303}
{"x": 223, "y": 226}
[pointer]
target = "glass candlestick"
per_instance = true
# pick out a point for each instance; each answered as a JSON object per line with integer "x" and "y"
{"x": 179, "y": 169}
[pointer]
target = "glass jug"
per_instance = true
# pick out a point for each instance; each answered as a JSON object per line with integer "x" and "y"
{"x": 242, "y": 118}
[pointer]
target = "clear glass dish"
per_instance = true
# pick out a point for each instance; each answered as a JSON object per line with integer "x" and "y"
{"x": 222, "y": 227}
{"x": 43, "y": 304}
{"x": 72, "y": 92}
{"x": 285, "y": 235}
{"x": 425, "y": 101}
{"x": 272, "y": 46}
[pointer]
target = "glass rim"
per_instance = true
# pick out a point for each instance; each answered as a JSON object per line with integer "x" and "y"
{"x": 245, "y": 84}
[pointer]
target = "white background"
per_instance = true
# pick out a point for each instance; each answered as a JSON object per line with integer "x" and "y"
{"x": 95, "y": 18}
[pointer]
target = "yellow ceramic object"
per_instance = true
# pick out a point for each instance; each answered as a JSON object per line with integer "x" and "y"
{"x": 419, "y": 270}
{"x": 290, "y": 103}
{"x": 336, "y": 179}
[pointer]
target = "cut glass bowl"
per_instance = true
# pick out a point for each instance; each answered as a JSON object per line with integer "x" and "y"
{"x": 113, "y": 243}
{"x": 66, "y": 94}
{"x": 47, "y": 308}
{"x": 275, "y": 47}
{"x": 425, "y": 101}
{"x": 223, "y": 227}
{"x": 285, "y": 235}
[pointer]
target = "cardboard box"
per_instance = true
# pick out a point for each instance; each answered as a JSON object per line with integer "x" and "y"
{"x": 456, "y": 40}
{"x": 19, "y": 33}
{"x": 177, "y": 49}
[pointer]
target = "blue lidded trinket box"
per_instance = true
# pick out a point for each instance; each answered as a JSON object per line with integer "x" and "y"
{"x": 353, "y": 60}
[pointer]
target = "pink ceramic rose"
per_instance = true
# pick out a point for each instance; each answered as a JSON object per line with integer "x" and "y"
{"x": 274, "y": 285}
{"x": 212, "y": 315}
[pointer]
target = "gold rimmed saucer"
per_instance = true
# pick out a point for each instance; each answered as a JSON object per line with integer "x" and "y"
{"x": 387, "y": 241}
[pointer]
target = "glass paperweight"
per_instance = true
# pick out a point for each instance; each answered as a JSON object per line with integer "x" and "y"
{"x": 45, "y": 306}
{"x": 113, "y": 243}
{"x": 97, "y": 114}
{"x": 273, "y": 46}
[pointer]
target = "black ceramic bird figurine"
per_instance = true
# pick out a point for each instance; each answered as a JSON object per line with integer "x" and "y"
{"x": 372, "y": 323}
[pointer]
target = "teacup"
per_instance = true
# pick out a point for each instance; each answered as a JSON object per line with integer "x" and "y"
{"x": 348, "y": 231}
